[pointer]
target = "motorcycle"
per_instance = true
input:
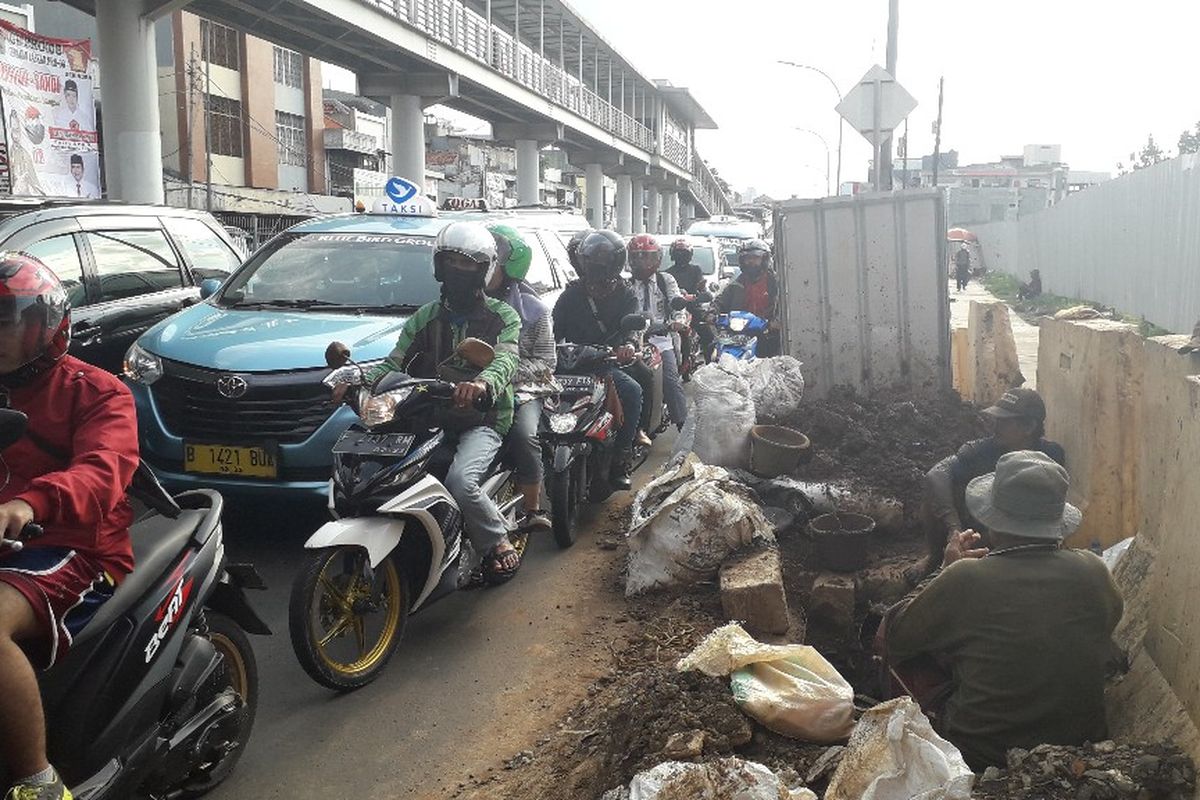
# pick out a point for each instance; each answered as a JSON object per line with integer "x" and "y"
{"x": 696, "y": 332}
{"x": 158, "y": 694}
{"x": 738, "y": 334}
{"x": 396, "y": 543}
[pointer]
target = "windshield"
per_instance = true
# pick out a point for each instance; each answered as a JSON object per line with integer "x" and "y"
{"x": 347, "y": 270}
{"x": 701, "y": 256}
{"x": 726, "y": 230}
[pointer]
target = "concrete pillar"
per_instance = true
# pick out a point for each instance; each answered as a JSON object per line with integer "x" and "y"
{"x": 528, "y": 172}
{"x": 594, "y": 175}
{"x": 687, "y": 213}
{"x": 132, "y": 130}
{"x": 673, "y": 206}
{"x": 639, "y": 205}
{"x": 408, "y": 138}
{"x": 652, "y": 224}
{"x": 624, "y": 205}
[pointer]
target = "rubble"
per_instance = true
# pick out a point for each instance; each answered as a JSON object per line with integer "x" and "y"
{"x": 1101, "y": 771}
{"x": 752, "y": 591}
{"x": 831, "y": 606}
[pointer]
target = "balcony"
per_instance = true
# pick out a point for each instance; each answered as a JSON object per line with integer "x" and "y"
{"x": 353, "y": 141}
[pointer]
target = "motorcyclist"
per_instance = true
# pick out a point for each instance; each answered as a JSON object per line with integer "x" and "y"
{"x": 755, "y": 290}
{"x": 68, "y": 473}
{"x": 535, "y": 369}
{"x": 688, "y": 275}
{"x": 589, "y": 311}
{"x": 464, "y": 261}
{"x": 655, "y": 290}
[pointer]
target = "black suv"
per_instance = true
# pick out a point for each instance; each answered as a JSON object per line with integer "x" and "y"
{"x": 125, "y": 267}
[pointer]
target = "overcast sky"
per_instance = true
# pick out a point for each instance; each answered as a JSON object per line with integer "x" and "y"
{"x": 1095, "y": 77}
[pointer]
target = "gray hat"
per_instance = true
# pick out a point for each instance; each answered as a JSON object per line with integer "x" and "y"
{"x": 1025, "y": 496}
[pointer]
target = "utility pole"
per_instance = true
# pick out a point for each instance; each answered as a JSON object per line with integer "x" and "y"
{"x": 902, "y": 151}
{"x": 937, "y": 132}
{"x": 191, "y": 85}
{"x": 208, "y": 125}
{"x": 883, "y": 164}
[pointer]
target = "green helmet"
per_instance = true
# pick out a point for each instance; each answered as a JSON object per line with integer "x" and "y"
{"x": 512, "y": 251}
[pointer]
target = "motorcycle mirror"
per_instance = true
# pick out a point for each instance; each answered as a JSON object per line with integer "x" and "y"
{"x": 476, "y": 352}
{"x": 704, "y": 297}
{"x": 632, "y": 323}
{"x": 12, "y": 426}
{"x": 337, "y": 355}
{"x": 678, "y": 303}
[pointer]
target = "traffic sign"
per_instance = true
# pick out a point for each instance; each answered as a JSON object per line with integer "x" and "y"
{"x": 877, "y": 105}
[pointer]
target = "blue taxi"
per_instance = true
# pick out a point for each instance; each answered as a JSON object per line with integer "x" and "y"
{"x": 229, "y": 391}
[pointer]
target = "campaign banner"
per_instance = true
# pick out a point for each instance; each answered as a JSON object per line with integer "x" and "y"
{"x": 49, "y": 115}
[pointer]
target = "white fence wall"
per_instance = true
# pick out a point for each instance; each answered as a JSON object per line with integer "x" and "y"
{"x": 1132, "y": 243}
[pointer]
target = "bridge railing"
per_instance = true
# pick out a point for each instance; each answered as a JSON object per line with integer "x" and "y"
{"x": 452, "y": 23}
{"x": 705, "y": 188}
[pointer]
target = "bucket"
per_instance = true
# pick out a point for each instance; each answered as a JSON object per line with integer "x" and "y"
{"x": 841, "y": 540}
{"x": 775, "y": 450}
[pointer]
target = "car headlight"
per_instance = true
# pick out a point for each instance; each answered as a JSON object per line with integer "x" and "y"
{"x": 563, "y": 423}
{"x": 382, "y": 407}
{"x": 142, "y": 366}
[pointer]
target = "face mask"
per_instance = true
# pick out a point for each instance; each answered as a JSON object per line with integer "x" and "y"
{"x": 461, "y": 289}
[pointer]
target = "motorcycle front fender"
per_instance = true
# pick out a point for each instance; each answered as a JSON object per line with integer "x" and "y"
{"x": 377, "y": 535}
{"x": 564, "y": 454}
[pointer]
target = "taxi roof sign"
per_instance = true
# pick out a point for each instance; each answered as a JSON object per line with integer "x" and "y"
{"x": 402, "y": 196}
{"x": 465, "y": 204}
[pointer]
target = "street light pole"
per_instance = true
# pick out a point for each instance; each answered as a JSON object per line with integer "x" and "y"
{"x": 841, "y": 122}
{"x": 822, "y": 138}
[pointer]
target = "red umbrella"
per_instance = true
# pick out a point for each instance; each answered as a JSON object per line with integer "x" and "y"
{"x": 960, "y": 235}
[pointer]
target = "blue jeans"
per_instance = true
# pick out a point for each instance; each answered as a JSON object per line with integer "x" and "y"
{"x": 673, "y": 387}
{"x": 476, "y": 450}
{"x": 630, "y": 392}
{"x": 524, "y": 448}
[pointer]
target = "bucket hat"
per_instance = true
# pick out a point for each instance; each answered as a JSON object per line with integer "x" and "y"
{"x": 1026, "y": 496}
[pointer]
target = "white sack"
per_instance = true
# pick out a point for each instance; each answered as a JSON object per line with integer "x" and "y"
{"x": 724, "y": 779}
{"x": 724, "y": 414}
{"x": 776, "y": 385}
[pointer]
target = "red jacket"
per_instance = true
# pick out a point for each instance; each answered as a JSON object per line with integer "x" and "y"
{"x": 76, "y": 461}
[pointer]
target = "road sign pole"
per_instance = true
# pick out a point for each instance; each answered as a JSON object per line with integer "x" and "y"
{"x": 878, "y": 86}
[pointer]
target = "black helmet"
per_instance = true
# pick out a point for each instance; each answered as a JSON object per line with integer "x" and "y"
{"x": 755, "y": 247}
{"x": 601, "y": 256}
{"x": 573, "y": 247}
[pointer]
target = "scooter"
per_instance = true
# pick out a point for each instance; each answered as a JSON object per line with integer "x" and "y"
{"x": 738, "y": 333}
{"x": 158, "y": 693}
{"x": 396, "y": 543}
{"x": 697, "y": 331}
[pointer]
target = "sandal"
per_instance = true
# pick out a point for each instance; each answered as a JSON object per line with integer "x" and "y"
{"x": 501, "y": 565}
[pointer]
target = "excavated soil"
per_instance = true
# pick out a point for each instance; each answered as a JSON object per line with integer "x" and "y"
{"x": 1101, "y": 771}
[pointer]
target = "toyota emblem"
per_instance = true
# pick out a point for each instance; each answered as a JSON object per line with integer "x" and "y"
{"x": 231, "y": 386}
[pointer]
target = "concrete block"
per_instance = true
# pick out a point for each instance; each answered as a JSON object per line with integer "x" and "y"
{"x": 752, "y": 591}
{"x": 832, "y": 602}
{"x": 992, "y": 367}
{"x": 960, "y": 362}
{"x": 885, "y": 583}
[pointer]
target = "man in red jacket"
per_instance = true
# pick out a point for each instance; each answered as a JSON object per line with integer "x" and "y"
{"x": 68, "y": 473}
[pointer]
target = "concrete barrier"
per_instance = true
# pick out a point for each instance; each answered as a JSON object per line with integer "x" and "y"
{"x": 987, "y": 366}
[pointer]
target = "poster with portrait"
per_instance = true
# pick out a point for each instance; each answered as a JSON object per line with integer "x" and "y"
{"x": 52, "y": 147}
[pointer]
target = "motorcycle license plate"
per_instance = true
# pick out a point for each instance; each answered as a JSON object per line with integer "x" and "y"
{"x": 361, "y": 443}
{"x": 576, "y": 383}
{"x": 220, "y": 459}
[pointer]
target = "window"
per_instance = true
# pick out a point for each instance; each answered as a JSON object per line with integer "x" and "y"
{"x": 540, "y": 275}
{"x": 209, "y": 255}
{"x": 222, "y": 43}
{"x": 226, "y": 125}
{"x": 289, "y": 68}
{"x": 132, "y": 263}
{"x": 289, "y": 130}
{"x": 60, "y": 255}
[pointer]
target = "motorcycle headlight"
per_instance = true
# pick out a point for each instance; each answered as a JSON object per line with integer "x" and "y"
{"x": 142, "y": 366}
{"x": 382, "y": 407}
{"x": 738, "y": 324}
{"x": 563, "y": 423}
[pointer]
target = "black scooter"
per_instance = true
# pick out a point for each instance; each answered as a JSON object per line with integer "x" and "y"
{"x": 158, "y": 694}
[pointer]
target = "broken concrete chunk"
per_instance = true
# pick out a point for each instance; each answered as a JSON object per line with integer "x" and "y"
{"x": 684, "y": 744}
{"x": 885, "y": 583}
{"x": 752, "y": 591}
{"x": 832, "y": 603}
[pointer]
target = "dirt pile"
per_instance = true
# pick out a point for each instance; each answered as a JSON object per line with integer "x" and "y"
{"x": 885, "y": 442}
{"x": 1101, "y": 771}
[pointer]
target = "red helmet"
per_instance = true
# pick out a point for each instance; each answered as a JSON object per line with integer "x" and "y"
{"x": 35, "y": 318}
{"x": 645, "y": 255}
{"x": 681, "y": 246}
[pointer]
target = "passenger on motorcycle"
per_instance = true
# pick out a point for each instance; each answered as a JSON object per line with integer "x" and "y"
{"x": 464, "y": 262}
{"x": 688, "y": 275}
{"x": 69, "y": 474}
{"x": 755, "y": 290}
{"x": 535, "y": 369}
{"x": 655, "y": 290}
{"x": 589, "y": 311}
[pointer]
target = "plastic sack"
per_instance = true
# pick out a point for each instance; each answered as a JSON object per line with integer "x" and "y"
{"x": 790, "y": 689}
{"x": 1112, "y": 556}
{"x": 895, "y": 755}
{"x": 724, "y": 779}
{"x": 685, "y": 522}
{"x": 776, "y": 385}
{"x": 724, "y": 414}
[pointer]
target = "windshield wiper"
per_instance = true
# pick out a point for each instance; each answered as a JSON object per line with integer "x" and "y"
{"x": 302, "y": 305}
{"x": 356, "y": 308}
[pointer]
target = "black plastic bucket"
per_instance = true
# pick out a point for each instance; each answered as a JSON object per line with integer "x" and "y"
{"x": 841, "y": 540}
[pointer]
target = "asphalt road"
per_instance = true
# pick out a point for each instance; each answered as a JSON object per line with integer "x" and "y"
{"x": 479, "y": 674}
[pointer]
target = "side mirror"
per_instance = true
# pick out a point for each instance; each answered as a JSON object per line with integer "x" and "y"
{"x": 476, "y": 352}
{"x": 632, "y": 323}
{"x": 703, "y": 297}
{"x": 678, "y": 303}
{"x": 337, "y": 355}
{"x": 12, "y": 426}
{"x": 209, "y": 287}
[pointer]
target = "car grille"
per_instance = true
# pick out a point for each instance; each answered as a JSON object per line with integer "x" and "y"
{"x": 280, "y": 407}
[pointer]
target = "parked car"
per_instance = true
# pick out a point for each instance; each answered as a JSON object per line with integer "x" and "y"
{"x": 125, "y": 267}
{"x": 229, "y": 391}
